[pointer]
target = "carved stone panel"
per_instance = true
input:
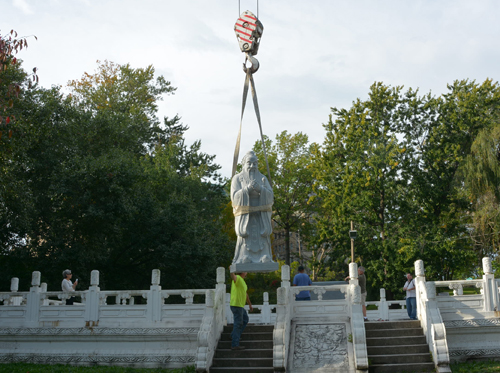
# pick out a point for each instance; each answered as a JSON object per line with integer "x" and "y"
{"x": 320, "y": 347}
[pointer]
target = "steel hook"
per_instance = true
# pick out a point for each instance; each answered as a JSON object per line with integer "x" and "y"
{"x": 253, "y": 61}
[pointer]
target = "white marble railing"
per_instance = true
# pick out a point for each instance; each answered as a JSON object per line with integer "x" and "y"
{"x": 282, "y": 328}
{"x": 265, "y": 316}
{"x": 338, "y": 310}
{"x": 384, "y": 310}
{"x": 458, "y": 285}
{"x": 357, "y": 322}
{"x": 212, "y": 324}
{"x": 431, "y": 320}
{"x": 474, "y": 309}
{"x": 38, "y": 306}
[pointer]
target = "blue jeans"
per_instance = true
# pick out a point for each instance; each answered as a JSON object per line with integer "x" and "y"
{"x": 240, "y": 321}
{"x": 411, "y": 307}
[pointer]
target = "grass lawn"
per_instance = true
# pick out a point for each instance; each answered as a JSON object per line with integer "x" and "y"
{"x": 476, "y": 367}
{"x": 41, "y": 368}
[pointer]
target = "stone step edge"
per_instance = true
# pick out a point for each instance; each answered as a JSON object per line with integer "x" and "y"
{"x": 406, "y": 365}
{"x": 242, "y": 358}
{"x": 395, "y": 338}
{"x": 393, "y": 329}
{"x": 413, "y": 345}
{"x": 400, "y": 355}
{"x": 246, "y": 349}
{"x": 241, "y": 368}
{"x": 249, "y": 340}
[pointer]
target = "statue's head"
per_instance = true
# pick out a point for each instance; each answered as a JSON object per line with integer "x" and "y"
{"x": 250, "y": 162}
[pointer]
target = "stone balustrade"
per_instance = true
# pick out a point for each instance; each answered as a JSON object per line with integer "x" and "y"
{"x": 116, "y": 327}
{"x": 459, "y": 327}
{"x": 139, "y": 328}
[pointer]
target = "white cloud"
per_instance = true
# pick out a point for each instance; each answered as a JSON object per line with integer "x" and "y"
{"x": 23, "y": 6}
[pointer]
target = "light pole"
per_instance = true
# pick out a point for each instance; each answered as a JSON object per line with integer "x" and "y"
{"x": 352, "y": 234}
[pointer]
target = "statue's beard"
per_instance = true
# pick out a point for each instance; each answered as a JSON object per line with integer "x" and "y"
{"x": 251, "y": 172}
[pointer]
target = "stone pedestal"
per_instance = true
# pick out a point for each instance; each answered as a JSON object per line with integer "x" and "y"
{"x": 254, "y": 267}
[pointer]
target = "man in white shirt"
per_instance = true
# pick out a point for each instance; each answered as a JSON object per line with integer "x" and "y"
{"x": 411, "y": 297}
{"x": 67, "y": 286}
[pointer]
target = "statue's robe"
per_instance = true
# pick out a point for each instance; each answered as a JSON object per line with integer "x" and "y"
{"x": 252, "y": 211}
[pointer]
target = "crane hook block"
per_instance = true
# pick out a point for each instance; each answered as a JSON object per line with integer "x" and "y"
{"x": 248, "y": 31}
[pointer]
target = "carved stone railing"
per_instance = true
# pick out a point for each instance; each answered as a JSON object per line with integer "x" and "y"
{"x": 357, "y": 322}
{"x": 458, "y": 285}
{"x": 282, "y": 328}
{"x": 430, "y": 320}
{"x": 384, "y": 310}
{"x": 266, "y": 315}
{"x": 33, "y": 308}
{"x": 212, "y": 324}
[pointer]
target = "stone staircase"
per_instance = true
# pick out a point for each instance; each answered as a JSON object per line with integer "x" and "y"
{"x": 398, "y": 347}
{"x": 257, "y": 357}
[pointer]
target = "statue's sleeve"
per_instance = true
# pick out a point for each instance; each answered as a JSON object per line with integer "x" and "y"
{"x": 266, "y": 198}
{"x": 239, "y": 197}
{"x": 266, "y": 193}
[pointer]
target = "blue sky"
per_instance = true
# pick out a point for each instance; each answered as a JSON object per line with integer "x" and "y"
{"x": 314, "y": 54}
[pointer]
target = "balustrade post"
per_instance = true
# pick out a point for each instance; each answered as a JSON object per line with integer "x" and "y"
{"x": 266, "y": 310}
{"x": 92, "y": 300}
{"x": 229, "y": 314}
{"x": 490, "y": 291}
{"x": 14, "y": 288}
{"x": 383, "y": 308}
{"x": 353, "y": 274}
{"x": 285, "y": 276}
{"x": 14, "y": 284}
{"x": 419, "y": 283}
{"x": 430, "y": 288}
{"x": 221, "y": 291}
{"x": 155, "y": 301}
{"x": 33, "y": 300}
{"x": 43, "y": 289}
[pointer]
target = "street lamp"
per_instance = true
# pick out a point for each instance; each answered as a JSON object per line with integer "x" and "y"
{"x": 352, "y": 234}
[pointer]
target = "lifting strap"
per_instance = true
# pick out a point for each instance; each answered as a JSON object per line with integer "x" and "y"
{"x": 249, "y": 23}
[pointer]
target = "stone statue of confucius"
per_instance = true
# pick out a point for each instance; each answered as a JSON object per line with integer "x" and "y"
{"x": 252, "y": 198}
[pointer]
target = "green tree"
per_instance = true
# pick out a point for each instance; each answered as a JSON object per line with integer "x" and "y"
{"x": 443, "y": 130}
{"x": 11, "y": 80}
{"x": 100, "y": 192}
{"x": 359, "y": 173}
{"x": 290, "y": 166}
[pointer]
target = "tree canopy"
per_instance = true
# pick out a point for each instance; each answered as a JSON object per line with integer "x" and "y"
{"x": 107, "y": 187}
{"x": 391, "y": 164}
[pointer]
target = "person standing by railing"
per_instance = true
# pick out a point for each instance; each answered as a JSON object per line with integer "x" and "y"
{"x": 302, "y": 279}
{"x": 411, "y": 297}
{"x": 67, "y": 286}
{"x": 237, "y": 304}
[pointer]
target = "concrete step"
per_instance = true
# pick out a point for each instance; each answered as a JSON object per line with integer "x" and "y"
{"x": 392, "y": 324}
{"x": 401, "y": 368}
{"x": 391, "y": 333}
{"x": 257, "y": 356}
{"x": 239, "y": 354}
{"x": 248, "y": 344}
{"x": 398, "y": 349}
{"x": 396, "y": 341}
{"x": 242, "y": 370}
{"x": 249, "y": 336}
{"x": 242, "y": 362}
{"x": 400, "y": 358}
{"x": 251, "y": 328}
